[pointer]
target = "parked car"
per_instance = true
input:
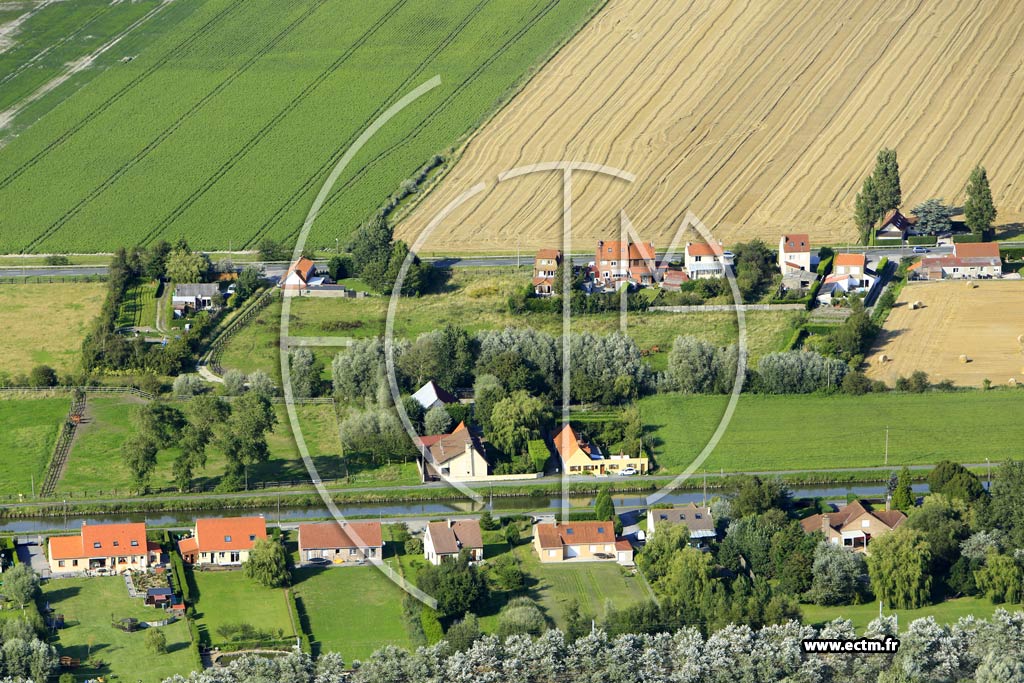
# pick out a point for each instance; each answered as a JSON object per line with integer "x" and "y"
{"x": 920, "y": 250}
{"x": 627, "y": 472}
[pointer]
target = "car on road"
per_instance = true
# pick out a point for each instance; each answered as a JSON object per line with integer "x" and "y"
{"x": 628, "y": 472}
{"x": 318, "y": 561}
{"x": 920, "y": 250}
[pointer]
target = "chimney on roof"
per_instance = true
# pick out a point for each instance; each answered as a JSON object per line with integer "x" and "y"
{"x": 451, "y": 523}
{"x": 824, "y": 522}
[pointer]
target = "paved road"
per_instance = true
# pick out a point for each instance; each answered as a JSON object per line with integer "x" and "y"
{"x": 480, "y": 487}
{"x": 277, "y": 268}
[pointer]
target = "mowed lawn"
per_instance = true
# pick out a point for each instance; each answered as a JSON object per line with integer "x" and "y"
{"x": 44, "y": 324}
{"x": 944, "y": 612}
{"x": 833, "y": 432}
{"x": 139, "y": 306}
{"x": 29, "y": 428}
{"x": 96, "y": 465}
{"x": 477, "y": 299}
{"x": 88, "y": 605}
{"x": 228, "y": 597}
{"x": 351, "y": 610}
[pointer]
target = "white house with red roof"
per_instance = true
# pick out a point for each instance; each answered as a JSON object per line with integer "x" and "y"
{"x": 301, "y": 275}
{"x": 794, "y": 253}
{"x": 224, "y": 541}
{"x": 458, "y": 456}
{"x": 111, "y": 548}
{"x": 445, "y": 541}
{"x": 703, "y": 260}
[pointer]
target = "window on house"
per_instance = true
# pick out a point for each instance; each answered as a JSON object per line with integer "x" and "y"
{"x": 569, "y": 531}
{"x": 697, "y": 516}
{"x": 96, "y": 544}
{"x": 252, "y": 537}
{"x": 60, "y": 563}
{"x": 663, "y": 516}
{"x": 865, "y": 523}
{"x": 551, "y": 553}
{"x": 227, "y": 539}
{"x": 351, "y": 551}
{"x": 74, "y": 563}
{"x": 116, "y": 543}
{"x": 135, "y": 544}
{"x": 593, "y": 548}
{"x": 600, "y": 529}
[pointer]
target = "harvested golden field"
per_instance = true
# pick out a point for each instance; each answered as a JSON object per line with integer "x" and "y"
{"x": 44, "y": 324}
{"x": 983, "y": 323}
{"x": 760, "y": 117}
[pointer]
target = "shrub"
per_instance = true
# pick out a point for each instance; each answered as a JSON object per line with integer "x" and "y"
{"x": 520, "y": 617}
{"x": 922, "y": 240}
{"x": 187, "y": 386}
{"x": 156, "y": 641}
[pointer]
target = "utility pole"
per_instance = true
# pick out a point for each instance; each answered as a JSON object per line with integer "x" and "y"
{"x": 33, "y": 486}
{"x": 705, "y": 502}
{"x": 988, "y": 464}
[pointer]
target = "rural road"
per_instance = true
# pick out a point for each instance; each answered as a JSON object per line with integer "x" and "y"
{"x": 550, "y": 479}
{"x": 278, "y": 268}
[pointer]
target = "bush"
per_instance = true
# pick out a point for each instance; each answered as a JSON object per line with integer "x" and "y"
{"x": 432, "y": 628}
{"x": 187, "y": 386}
{"x": 970, "y": 238}
{"x": 156, "y": 641}
{"x": 922, "y": 240}
{"x": 42, "y": 376}
{"x": 520, "y": 617}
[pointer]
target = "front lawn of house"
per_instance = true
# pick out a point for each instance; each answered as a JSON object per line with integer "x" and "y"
{"x": 88, "y": 606}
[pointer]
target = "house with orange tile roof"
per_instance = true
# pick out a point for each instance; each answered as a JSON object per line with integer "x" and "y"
{"x": 854, "y": 525}
{"x": 581, "y": 542}
{"x": 616, "y": 262}
{"x": 894, "y": 226}
{"x": 301, "y": 275}
{"x": 111, "y": 548}
{"x": 794, "y": 253}
{"x": 445, "y": 541}
{"x": 581, "y": 457}
{"x": 341, "y": 542}
{"x": 545, "y": 266}
{"x": 224, "y": 541}
{"x": 703, "y": 261}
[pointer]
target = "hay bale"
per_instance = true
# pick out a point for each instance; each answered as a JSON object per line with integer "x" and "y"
{"x": 964, "y": 358}
{"x": 1020, "y": 339}
{"x": 1012, "y": 382}
{"x": 882, "y": 358}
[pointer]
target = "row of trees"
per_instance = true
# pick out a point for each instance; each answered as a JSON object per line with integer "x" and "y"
{"x": 981, "y": 650}
{"x": 881, "y": 192}
{"x": 239, "y": 429}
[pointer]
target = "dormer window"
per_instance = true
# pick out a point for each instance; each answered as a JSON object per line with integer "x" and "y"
{"x": 252, "y": 537}
{"x": 96, "y": 545}
{"x": 569, "y": 531}
{"x": 697, "y": 516}
{"x": 116, "y": 543}
{"x": 135, "y": 544}
{"x": 600, "y": 529}
{"x": 664, "y": 517}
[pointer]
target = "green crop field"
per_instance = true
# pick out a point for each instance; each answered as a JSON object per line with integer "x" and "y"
{"x": 825, "y": 432}
{"x": 87, "y": 606}
{"x": 351, "y": 610}
{"x": 181, "y": 140}
{"x": 26, "y": 441}
{"x": 95, "y": 464}
{"x": 52, "y": 35}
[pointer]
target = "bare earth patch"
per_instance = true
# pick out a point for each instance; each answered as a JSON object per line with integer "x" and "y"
{"x": 982, "y": 323}
{"x": 760, "y": 117}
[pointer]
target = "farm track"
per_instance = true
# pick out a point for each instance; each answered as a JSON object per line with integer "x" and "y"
{"x": 755, "y": 140}
{"x": 431, "y": 116}
{"x": 176, "y": 51}
{"x": 269, "y": 126}
{"x": 317, "y": 175}
{"x": 169, "y": 130}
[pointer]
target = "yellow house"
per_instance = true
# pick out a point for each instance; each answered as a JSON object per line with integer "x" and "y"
{"x": 458, "y": 456}
{"x": 580, "y": 457}
{"x": 104, "y": 548}
{"x": 581, "y": 542}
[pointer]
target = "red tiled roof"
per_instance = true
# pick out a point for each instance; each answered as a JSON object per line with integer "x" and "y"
{"x": 548, "y": 254}
{"x": 188, "y": 545}
{"x": 641, "y": 250}
{"x": 850, "y": 260}
{"x": 444, "y": 447}
{"x": 451, "y": 537}
{"x": 702, "y": 249}
{"x": 623, "y": 544}
{"x": 796, "y": 244}
{"x": 229, "y": 533}
{"x": 101, "y": 540}
{"x": 611, "y": 251}
{"x": 567, "y": 442}
{"x": 676, "y": 276}
{"x": 343, "y": 535}
{"x": 574, "y": 533}
{"x": 977, "y": 250}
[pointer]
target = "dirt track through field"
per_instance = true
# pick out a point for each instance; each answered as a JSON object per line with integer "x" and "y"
{"x": 982, "y": 322}
{"x": 761, "y": 117}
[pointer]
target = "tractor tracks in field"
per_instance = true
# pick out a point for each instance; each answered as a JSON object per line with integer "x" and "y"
{"x": 176, "y": 51}
{"x": 167, "y": 132}
{"x": 257, "y": 137}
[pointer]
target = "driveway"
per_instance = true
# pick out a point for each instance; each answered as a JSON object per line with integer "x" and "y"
{"x": 30, "y": 551}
